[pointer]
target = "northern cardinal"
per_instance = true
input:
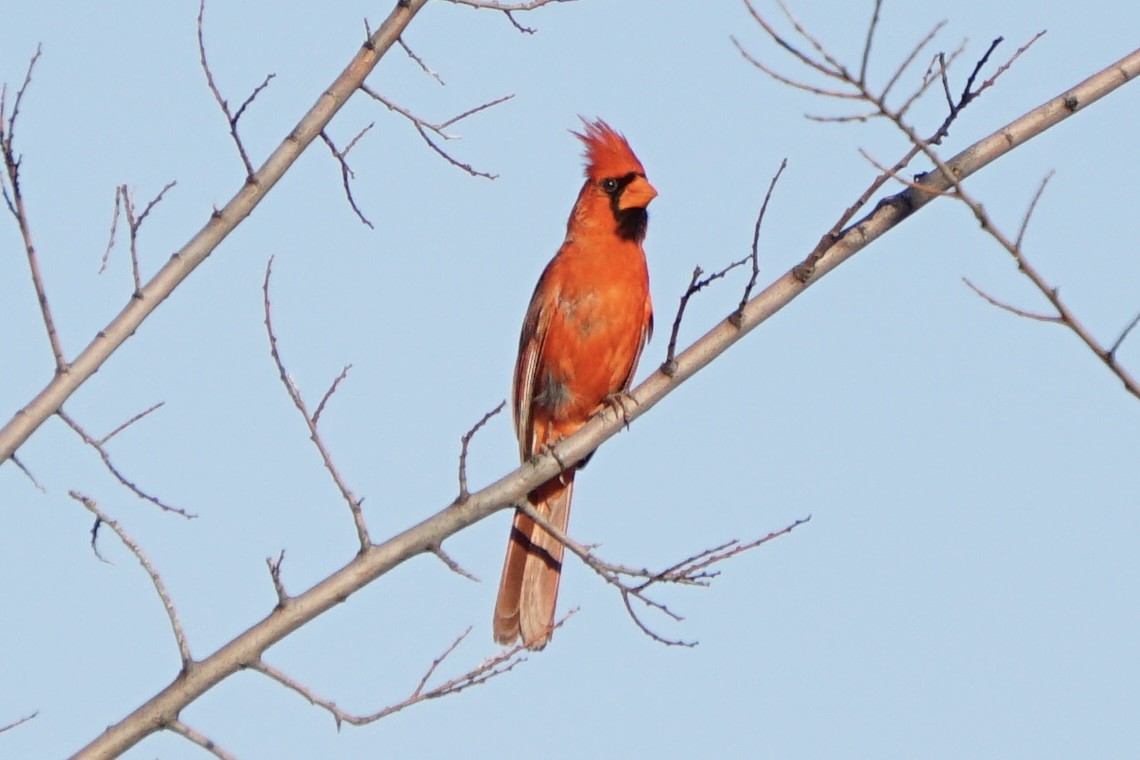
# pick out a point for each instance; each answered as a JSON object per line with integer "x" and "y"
{"x": 588, "y": 320}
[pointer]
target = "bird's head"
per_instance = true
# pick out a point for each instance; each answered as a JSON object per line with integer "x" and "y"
{"x": 613, "y": 173}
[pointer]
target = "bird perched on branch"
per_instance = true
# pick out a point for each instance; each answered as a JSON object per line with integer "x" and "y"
{"x": 588, "y": 320}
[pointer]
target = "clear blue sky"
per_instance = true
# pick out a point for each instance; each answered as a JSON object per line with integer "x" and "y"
{"x": 966, "y": 586}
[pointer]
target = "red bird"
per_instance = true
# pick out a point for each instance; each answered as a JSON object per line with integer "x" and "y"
{"x": 588, "y": 320}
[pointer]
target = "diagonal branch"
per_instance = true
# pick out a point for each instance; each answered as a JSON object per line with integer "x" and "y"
{"x": 220, "y": 224}
{"x": 511, "y": 489}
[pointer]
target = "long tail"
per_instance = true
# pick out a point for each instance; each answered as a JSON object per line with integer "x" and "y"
{"x": 528, "y": 590}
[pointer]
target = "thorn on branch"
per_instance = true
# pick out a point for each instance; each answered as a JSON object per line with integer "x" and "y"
{"x": 464, "y": 441}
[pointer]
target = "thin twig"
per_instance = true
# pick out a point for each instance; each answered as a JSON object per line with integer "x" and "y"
{"x": 691, "y": 571}
{"x": 423, "y": 126}
{"x": 131, "y": 421}
{"x": 114, "y": 229}
{"x": 178, "y": 727}
{"x": 452, "y": 565}
{"x": 101, "y": 517}
{"x": 99, "y": 445}
{"x": 490, "y": 668}
{"x": 24, "y": 469}
{"x": 1032, "y": 207}
{"x": 419, "y": 61}
{"x": 329, "y": 393}
{"x": 696, "y": 284}
{"x": 464, "y": 441}
{"x": 14, "y": 198}
{"x": 755, "y": 256}
{"x": 274, "y": 566}
{"x": 18, "y": 721}
{"x": 125, "y": 199}
{"x": 346, "y": 173}
{"x": 1123, "y": 335}
{"x": 867, "y": 41}
{"x": 231, "y": 118}
{"x": 1007, "y": 307}
{"x": 354, "y": 504}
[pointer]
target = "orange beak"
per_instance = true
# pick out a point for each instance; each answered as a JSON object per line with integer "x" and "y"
{"x": 637, "y": 194}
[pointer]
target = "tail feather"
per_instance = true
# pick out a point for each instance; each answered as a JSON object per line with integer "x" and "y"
{"x": 528, "y": 590}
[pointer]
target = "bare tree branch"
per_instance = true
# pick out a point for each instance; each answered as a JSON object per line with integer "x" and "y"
{"x": 755, "y": 257}
{"x": 420, "y": 62}
{"x": 28, "y": 473}
{"x": 696, "y": 284}
{"x": 274, "y": 566}
{"x": 232, "y": 118}
{"x": 346, "y": 173}
{"x": 949, "y": 175}
{"x": 423, "y": 126}
{"x": 490, "y": 668}
{"x": 375, "y": 560}
{"x": 691, "y": 571}
{"x": 1008, "y": 307}
{"x": 218, "y": 226}
{"x": 101, "y": 518}
{"x": 311, "y": 419}
{"x": 99, "y": 445}
{"x": 124, "y": 199}
{"x": 14, "y": 198}
{"x": 464, "y": 442}
{"x": 509, "y": 9}
{"x": 203, "y": 741}
{"x": 18, "y": 721}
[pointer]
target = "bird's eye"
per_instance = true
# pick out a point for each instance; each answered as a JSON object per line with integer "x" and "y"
{"x": 610, "y": 185}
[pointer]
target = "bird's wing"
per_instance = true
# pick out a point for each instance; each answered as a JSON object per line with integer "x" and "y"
{"x": 534, "y": 331}
{"x": 646, "y": 336}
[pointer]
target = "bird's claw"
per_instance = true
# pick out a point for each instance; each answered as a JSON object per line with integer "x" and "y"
{"x": 617, "y": 402}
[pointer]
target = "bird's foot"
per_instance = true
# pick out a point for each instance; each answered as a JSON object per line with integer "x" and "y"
{"x": 619, "y": 402}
